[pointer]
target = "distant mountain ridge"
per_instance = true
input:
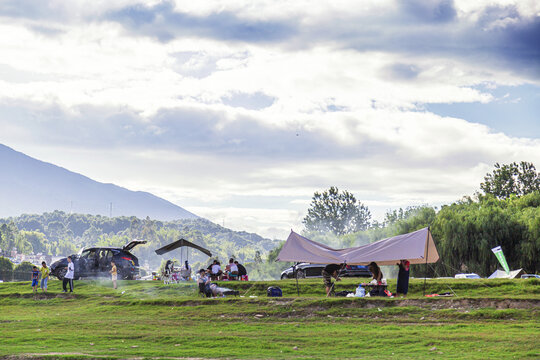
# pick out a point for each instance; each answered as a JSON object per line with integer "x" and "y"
{"x": 31, "y": 186}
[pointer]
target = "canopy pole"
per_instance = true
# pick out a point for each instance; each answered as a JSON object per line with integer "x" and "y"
{"x": 427, "y": 255}
{"x": 296, "y": 272}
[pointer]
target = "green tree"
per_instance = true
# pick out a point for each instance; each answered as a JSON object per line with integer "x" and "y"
{"x": 339, "y": 213}
{"x": 23, "y": 271}
{"x": 511, "y": 179}
{"x": 6, "y": 269}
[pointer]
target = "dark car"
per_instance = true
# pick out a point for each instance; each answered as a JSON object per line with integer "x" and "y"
{"x": 96, "y": 262}
{"x": 315, "y": 270}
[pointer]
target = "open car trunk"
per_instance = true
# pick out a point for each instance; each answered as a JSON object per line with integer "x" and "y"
{"x": 130, "y": 245}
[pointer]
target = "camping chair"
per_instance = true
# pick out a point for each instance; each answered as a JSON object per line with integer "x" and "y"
{"x": 233, "y": 276}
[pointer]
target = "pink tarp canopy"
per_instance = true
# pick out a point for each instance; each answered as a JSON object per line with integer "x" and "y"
{"x": 415, "y": 247}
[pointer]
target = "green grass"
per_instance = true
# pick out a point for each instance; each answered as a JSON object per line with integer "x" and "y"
{"x": 488, "y": 320}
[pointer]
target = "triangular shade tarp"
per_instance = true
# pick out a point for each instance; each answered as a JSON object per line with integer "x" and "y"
{"x": 416, "y": 247}
{"x": 182, "y": 242}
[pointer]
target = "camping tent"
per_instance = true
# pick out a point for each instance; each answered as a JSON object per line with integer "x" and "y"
{"x": 501, "y": 274}
{"x": 182, "y": 242}
{"x": 418, "y": 247}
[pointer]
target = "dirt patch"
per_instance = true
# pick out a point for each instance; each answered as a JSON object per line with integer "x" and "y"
{"x": 470, "y": 304}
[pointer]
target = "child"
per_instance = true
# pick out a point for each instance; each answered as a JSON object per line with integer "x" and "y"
{"x": 114, "y": 274}
{"x": 35, "y": 276}
{"x": 45, "y": 271}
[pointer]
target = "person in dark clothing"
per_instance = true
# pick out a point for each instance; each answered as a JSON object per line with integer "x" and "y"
{"x": 329, "y": 271}
{"x": 241, "y": 269}
{"x": 403, "y": 278}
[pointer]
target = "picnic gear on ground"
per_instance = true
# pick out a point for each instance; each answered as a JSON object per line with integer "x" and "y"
{"x": 360, "y": 291}
{"x": 443, "y": 294}
{"x": 274, "y": 291}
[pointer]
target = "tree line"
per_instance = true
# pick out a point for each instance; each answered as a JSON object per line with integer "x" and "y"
{"x": 60, "y": 234}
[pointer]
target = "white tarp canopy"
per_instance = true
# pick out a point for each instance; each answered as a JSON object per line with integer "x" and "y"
{"x": 415, "y": 247}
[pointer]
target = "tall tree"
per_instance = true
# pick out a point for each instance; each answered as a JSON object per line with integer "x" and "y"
{"x": 336, "y": 212}
{"x": 518, "y": 179}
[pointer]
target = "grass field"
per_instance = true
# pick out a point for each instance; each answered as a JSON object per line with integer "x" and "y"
{"x": 487, "y": 320}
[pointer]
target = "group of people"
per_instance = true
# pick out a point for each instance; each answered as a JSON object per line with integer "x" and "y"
{"x": 334, "y": 270}
{"x": 174, "y": 274}
{"x": 44, "y": 272}
{"x": 233, "y": 271}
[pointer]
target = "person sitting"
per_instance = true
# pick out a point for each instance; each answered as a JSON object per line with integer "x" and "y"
{"x": 242, "y": 272}
{"x": 233, "y": 270}
{"x": 204, "y": 283}
{"x": 215, "y": 271}
{"x": 378, "y": 289}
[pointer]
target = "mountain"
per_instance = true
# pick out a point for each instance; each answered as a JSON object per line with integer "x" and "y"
{"x": 31, "y": 186}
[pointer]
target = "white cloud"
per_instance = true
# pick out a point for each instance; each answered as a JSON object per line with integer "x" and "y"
{"x": 342, "y": 89}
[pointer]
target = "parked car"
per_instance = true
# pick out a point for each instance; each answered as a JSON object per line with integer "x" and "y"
{"x": 530, "y": 276}
{"x": 96, "y": 262}
{"x": 305, "y": 270}
{"x": 467, "y": 276}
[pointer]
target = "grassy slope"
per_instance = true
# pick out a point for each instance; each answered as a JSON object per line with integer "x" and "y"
{"x": 151, "y": 320}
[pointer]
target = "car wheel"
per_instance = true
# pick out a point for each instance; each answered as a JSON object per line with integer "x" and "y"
{"x": 61, "y": 273}
{"x": 300, "y": 274}
{"x": 284, "y": 276}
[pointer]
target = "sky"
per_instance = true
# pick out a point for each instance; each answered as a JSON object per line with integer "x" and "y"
{"x": 239, "y": 111}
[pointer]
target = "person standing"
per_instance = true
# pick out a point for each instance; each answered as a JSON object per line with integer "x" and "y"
{"x": 45, "y": 271}
{"x": 35, "y": 277}
{"x": 403, "y": 278}
{"x": 114, "y": 274}
{"x": 329, "y": 271}
{"x": 186, "y": 271}
{"x": 70, "y": 274}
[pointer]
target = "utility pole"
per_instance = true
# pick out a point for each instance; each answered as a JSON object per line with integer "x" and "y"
{"x": 110, "y": 210}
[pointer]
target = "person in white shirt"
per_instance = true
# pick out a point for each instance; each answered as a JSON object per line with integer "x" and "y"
{"x": 233, "y": 270}
{"x": 70, "y": 274}
{"x": 216, "y": 270}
